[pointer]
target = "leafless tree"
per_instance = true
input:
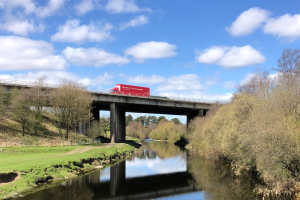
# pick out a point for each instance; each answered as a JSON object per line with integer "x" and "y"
{"x": 258, "y": 85}
{"x": 289, "y": 61}
{"x": 38, "y": 98}
{"x": 20, "y": 106}
{"x": 71, "y": 103}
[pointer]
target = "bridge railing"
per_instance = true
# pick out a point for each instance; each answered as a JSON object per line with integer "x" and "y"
{"x": 31, "y": 84}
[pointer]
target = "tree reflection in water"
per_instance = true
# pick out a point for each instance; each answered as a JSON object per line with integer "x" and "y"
{"x": 219, "y": 182}
{"x": 163, "y": 150}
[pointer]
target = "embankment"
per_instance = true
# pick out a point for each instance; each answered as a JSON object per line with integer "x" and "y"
{"x": 23, "y": 169}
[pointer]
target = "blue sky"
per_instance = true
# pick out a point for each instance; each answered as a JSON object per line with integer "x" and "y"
{"x": 197, "y": 48}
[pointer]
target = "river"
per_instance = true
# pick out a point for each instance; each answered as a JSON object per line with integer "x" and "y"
{"x": 159, "y": 170}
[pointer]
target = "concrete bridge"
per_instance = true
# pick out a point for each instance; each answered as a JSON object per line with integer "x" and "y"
{"x": 118, "y": 105}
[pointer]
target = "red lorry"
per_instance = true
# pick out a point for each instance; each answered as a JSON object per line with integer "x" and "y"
{"x": 131, "y": 90}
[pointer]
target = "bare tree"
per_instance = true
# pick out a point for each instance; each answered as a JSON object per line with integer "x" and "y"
{"x": 289, "y": 61}
{"x": 38, "y": 98}
{"x": 259, "y": 84}
{"x": 20, "y": 106}
{"x": 71, "y": 103}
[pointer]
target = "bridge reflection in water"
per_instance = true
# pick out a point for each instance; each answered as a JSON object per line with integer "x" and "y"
{"x": 157, "y": 170}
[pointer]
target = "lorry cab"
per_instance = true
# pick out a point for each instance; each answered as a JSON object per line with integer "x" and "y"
{"x": 114, "y": 90}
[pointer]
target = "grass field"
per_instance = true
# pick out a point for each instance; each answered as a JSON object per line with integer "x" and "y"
{"x": 39, "y": 163}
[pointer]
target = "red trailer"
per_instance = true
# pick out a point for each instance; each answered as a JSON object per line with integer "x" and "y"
{"x": 131, "y": 90}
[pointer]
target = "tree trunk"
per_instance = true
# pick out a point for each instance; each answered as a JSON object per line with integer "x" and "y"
{"x": 67, "y": 133}
{"x": 35, "y": 129}
{"x": 23, "y": 129}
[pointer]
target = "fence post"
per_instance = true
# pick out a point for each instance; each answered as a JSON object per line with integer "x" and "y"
{"x": 22, "y": 143}
{"x": 6, "y": 143}
{"x": 63, "y": 142}
{"x": 71, "y": 142}
{"x": 36, "y": 141}
{"x": 51, "y": 142}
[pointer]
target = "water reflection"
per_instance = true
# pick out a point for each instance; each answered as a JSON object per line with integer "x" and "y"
{"x": 156, "y": 158}
{"x": 219, "y": 182}
{"x": 158, "y": 171}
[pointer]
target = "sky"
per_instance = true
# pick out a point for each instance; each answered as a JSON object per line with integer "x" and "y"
{"x": 194, "y": 48}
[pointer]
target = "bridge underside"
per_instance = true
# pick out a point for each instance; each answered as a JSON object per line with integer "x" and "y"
{"x": 118, "y": 118}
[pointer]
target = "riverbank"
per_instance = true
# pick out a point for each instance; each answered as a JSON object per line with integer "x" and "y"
{"x": 23, "y": 169}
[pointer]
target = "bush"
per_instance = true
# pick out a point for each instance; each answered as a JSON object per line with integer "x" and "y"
{"x": 168, "y": 130}
{"x": 136, "y": 129}
{"x": 259, "y": 131}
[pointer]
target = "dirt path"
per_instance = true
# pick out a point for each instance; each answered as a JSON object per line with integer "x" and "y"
{"x": 85, "y": 149}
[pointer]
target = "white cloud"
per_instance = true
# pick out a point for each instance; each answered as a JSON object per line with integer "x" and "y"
{"x": 122, "y": 75}
{"x": 50, "y": 9}
{"x": 137, "y": 21}
{"x": 229, "y": 85}
{"x": 27, "y": 5}
{"x": 121, "y": 6}
{"x": 17, "y": 53}
{"x": 187, "y": 82}
{"x": 53, "y": 77}
{"x": 151, "y": 50}
{"x": 231, "y": 57}
{"x": 92, "y": 57}
{"x": 198, "y": 95}
{"x": 189, "y": 65}
{"x": 21, "y": 27}
{"x": 248, "y": 21}
{"x": 286, "y": 26}
{"x": 150, "y": 80}
{"x": 30, "y": 6}
{"x": 85, "y": 6}
{"x": 105, "y": 79}
{"x": 211, "y": 81}
{"x": 72, "y": 32}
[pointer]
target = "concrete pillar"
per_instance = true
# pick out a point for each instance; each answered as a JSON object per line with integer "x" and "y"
{"x": 201, "y": 113}
{"x": 191, "y": 116}
{"x": 117, "y": 177}
{"x": 117, "y": 123}
{"x": 95, "y": 112}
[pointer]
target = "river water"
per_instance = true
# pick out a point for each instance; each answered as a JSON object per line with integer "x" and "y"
{"x": 158, "y": 170}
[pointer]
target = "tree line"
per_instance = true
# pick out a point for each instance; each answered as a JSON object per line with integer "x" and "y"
{"x": 153, "y": 127}
{"x": 66, "y": 106}
{"x": 259, "y": 130}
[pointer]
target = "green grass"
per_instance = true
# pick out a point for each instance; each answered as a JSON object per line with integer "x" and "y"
{"x": 40, "y": 162}
{"x": 137, "y": 140}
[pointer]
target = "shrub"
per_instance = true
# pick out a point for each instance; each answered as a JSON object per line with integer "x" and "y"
{"x": 168, "y": 130}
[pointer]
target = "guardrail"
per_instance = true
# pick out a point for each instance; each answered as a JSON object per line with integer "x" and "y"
{"x": 31, "y": 84}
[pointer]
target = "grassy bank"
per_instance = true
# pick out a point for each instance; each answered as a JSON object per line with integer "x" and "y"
{"x": 39, "y": 164}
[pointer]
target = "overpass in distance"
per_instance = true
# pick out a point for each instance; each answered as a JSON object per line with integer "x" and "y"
{"x": 119, "y": 104}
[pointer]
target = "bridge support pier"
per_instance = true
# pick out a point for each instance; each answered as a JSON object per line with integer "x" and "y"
{"x": 191, "y": 116}
{"x": 96, "y": 114}
{"x": 117, "y": 123}
{"x": 117, "y": 177}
